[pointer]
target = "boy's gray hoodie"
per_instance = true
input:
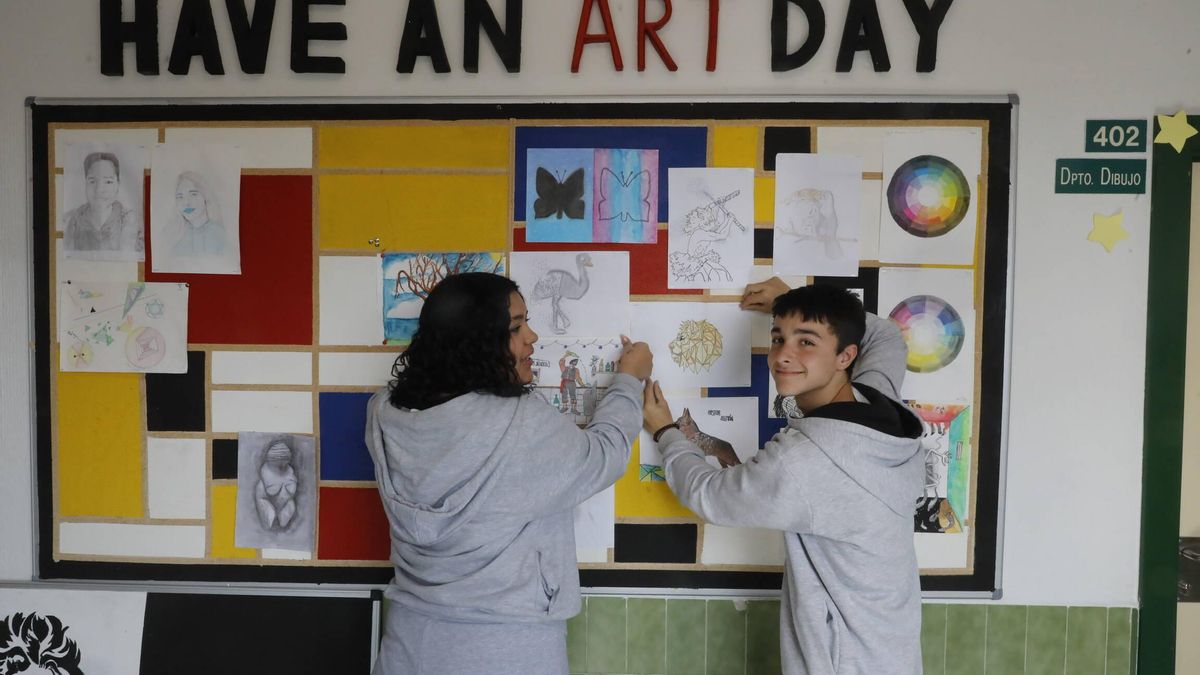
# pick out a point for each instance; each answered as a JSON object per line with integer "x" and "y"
{"x": 842, "y": 484}
{"x": 480, "y": 491}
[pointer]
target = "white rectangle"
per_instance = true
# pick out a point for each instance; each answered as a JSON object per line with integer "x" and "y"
{"x": 942, "y": 551}
{"x": 741, "y": 546}
{"x": 697, "y": 344}
{"x": 595, "y": 520}
{"x": 934, "y": 309}
{"x": 591, "y": 555}
{"x": 102, "y": 198}
{"x": 733, "y": 420}
{"x": 112, "y": 327}
{"x": 284, "y": 554}
{"x": 283, "y": 411}
{"x": 817, "y": 223}
{"x": 864, "y": 142}
{"x": 262, "y": 368}
{"x": 74, "y": 269}
{"x": 62, "y": 137}
{"x": 351, "y": 293}
{"x": 711, "y": 227}
{"x": 176, "y": 473}
{"x": 106, "y": 626}
{"x": 355, "y": 370}
{"x": 195, "y": 208}
{"x": 584, "y": 294}
{"x": 262, "y": 147}
{"x": 130, "y": 540}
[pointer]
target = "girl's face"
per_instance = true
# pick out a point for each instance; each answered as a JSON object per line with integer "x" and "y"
{"x": 102, "y": 183}
{"x": 191, "y": 203}
{"x": 521, "y": 337}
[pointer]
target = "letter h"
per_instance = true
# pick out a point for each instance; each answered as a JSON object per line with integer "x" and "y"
{"x": 142, "y": 31}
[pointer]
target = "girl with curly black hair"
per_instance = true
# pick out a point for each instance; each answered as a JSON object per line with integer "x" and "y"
{"x": 479, "y": 480}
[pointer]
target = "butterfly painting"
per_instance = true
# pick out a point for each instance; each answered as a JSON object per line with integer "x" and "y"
{"x": 558, "y": 194}
{"x": 559, "y": 198}
{"x": 627, "y": 202}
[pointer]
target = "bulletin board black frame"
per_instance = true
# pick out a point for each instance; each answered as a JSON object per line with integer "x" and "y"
{"x": 996, "y": 251}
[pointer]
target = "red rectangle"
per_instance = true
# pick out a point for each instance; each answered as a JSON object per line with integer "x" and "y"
{"x": 353, "y": 525}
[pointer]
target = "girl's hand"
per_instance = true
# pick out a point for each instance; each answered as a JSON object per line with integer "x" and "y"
{"x": 636, "y": 359}
{"x": 656, "y": 413}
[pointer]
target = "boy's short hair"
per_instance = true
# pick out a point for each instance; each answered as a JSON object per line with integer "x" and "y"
{"x": 836, "y": 307}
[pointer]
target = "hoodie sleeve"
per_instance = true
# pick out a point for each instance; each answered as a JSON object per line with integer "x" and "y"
{"x": 762, "y": 492}
{"x": 574, "y": 464}
{"x": 882, "y": 357}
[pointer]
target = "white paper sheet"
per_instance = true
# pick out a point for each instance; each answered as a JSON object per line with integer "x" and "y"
{"x": 696, "y": 344}
{"x": 711, "y": 227}
{"x": 276, "y": 496}
{"x": 101, "y": 215}
{"x": 817, "y": 225}
{"x": 926, "y": 302}
{"x": 574, "y": 293}
{"x": 105, "y": 626}
{"x": 122, "y": 327}
{"x": 195, "y": 201}
{"x": 929, "y": 204}
{"x": 730, "y": 419}
{"x": 595, "y": 520}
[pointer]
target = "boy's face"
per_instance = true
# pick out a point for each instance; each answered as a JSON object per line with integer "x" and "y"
{"x": 804, "y": 358}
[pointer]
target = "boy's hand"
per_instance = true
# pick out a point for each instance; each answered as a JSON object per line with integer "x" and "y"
{"x": 761, "y": 296}
{"x": 656, "y": 414}
{"x": 636, "y": 359}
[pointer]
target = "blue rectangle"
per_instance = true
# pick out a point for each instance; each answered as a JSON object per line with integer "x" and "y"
{"x": 344, "y": 454}
{"x": 759, "y": 388}
{"x": 677, "y": 147}
{"x": 568, "y": 172}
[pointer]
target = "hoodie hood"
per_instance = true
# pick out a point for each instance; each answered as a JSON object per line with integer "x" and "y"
{"x": 434, "y": 466}
{"x": 869, "y": 441}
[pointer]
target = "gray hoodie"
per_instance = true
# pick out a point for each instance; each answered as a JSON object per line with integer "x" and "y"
{"x": 842, "y": 484}
{"x": 479, "y": 493}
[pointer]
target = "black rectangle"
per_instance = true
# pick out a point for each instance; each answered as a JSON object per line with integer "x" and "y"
{"x": 867, "y": 281}
{"x": 176, "y": 402}
{"x": 203, "y": 634}
{"x": 224, "y": 458}
{"x": 656, "y": 543}
{"x": 778, "y": 140}
{"x": 764, "y": 243}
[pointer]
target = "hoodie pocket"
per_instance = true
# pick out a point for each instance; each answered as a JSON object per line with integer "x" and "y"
{"x": 548, "y": 591}
{"x": 833, "y": 631}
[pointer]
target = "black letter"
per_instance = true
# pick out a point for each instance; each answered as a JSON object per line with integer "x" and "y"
{"x": 305, "y": 31}
{"x": 422, "y": 37}
{"x": 508, "y": 46}
{"x": 862, "y": 22}
{"x": 195, "y": 34}
{"x": 780, "y": 59}
{"x": 142, "y": 31}
{"x": 927, "y": 21}
{"x": 252, "y": 36}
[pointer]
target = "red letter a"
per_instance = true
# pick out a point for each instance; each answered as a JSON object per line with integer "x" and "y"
{"x": 582, "y": 37}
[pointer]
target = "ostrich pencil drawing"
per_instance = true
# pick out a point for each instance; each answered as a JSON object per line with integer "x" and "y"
{"x": 558, "y": 284}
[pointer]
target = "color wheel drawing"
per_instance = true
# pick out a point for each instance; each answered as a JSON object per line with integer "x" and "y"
{"x": 932, "y": 329}
{"x": 928, "y": 196}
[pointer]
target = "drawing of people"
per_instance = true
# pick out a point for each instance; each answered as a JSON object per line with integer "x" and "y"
{"x": 275, "y": 491}
{"x": 103, "y": 223}
{"x": 199, "y": 226}
{"x": 572, "y": 378}
{"x": 703, "y": 225}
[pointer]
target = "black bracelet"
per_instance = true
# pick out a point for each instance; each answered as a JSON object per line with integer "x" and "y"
{"x": 658, "y": 434}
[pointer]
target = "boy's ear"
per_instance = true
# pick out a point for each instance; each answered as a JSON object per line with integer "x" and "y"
{"x": 847, "y": 356}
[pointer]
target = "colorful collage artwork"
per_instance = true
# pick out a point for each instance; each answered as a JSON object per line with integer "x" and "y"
{"x": 271, "y": 304}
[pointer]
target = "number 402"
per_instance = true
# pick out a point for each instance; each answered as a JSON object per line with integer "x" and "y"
{"x": 1117, "y": 136}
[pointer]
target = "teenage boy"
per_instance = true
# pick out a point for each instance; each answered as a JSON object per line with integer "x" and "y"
{"x": 841, "y": 482}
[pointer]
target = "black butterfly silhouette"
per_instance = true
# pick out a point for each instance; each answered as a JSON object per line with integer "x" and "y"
{"x": 556, "y": 198}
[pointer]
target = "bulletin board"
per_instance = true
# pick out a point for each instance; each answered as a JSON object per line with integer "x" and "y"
{"x": 142, "y": 475}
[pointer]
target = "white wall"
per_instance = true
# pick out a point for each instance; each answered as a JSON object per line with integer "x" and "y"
{"x": 1073, "y": 497}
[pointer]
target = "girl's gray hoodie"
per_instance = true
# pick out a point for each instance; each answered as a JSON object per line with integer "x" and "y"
{"x": 479, "y": 493}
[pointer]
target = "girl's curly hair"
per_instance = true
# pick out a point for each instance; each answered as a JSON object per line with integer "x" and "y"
{"x": 461, "y": 344}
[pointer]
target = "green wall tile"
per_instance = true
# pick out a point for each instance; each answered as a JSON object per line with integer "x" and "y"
{"x": 725, "y": 653}
{"x": 1119, "y": 633}
{"x": 933, "y": 638}
{"x": 965, "y": 627}
{"x": 1087, "y": 630}
{"x": 1005, "y": 649}
{"x": 606, "y": 635}
{"x": 762, "y": 638}
{"x": 577, "y": 642}
{"x": 1046, "y": 641}
{"x": 647, "y": 635}
{"x": 685, "y": 637}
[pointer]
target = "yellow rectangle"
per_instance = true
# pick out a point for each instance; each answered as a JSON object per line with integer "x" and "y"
{"x": 636, "y": 498}
{"x": 735, "y": 147}
{"x": 764, "y": 200}
{"x": 415, "y": 212}
{"x": 414, "y": 147}
{"x": 224, "y": 516}
{"x": 100, "y": 445}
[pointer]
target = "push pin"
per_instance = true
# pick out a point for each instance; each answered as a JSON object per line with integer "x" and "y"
{"x": 374, "y": 242}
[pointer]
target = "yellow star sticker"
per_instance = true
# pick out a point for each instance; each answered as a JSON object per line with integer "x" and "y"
{"x": 1175, "y": 130}
{"x": 1107, "y": 230}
